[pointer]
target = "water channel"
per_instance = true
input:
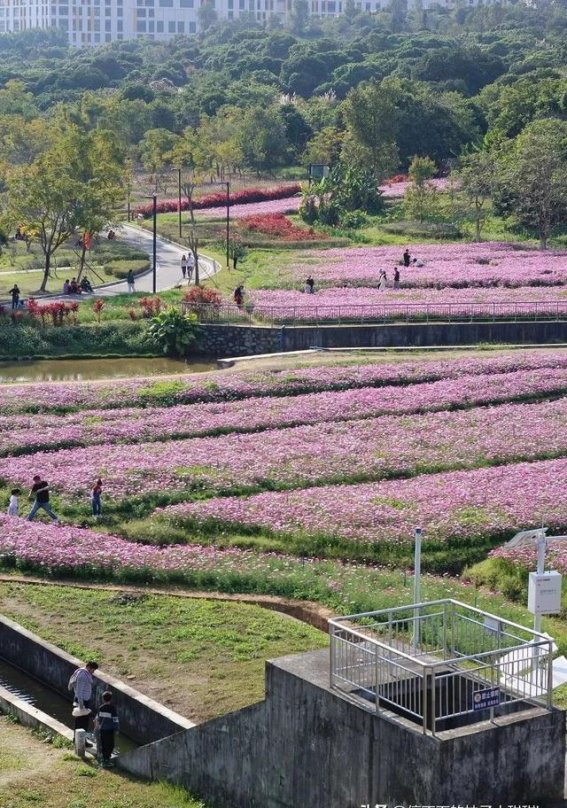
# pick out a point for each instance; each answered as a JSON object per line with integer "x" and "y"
{"x": 67, "y": 370}
{"x": 48, "y": 701}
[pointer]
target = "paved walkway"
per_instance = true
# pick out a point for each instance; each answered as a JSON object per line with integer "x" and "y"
{"x": 168, "y": 271}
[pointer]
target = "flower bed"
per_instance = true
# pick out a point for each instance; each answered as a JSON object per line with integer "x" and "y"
{"x": 246, "y": 196}
{"x": 458, "y": 505}
{"x": 371, "y": 304}
{"x": 276, "y": 225}
{"x": 225, "y": 387}
{"x": 242, "y": 211}
{"x": 446, "y": 265}
{"x": 26, "y": 433}
{"x": 396, "y": 189}
{"x": 306, "y": 455}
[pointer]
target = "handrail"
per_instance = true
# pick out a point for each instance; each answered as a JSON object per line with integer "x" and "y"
{"x": 260, "y": 314}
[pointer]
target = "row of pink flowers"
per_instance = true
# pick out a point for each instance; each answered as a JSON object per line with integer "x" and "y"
{"x": 306, "y": 455}
{"x": 290, "y": 205}
{"x": 453, "y": 505}
{"x": 27, "y": 432}
{"x": 397, "y": 190}
{"x": 446, "y": 265}
{"x": 223, "y": 386}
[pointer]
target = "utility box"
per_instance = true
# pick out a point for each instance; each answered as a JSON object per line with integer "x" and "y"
{"x": 544, "y": 593}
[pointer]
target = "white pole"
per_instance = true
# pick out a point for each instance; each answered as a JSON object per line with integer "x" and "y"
{"x": 416, "y": 585}
{"x": 541, "y": 550}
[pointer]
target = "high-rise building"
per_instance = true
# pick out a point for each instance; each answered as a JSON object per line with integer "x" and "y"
{"x": 91, "y": 22}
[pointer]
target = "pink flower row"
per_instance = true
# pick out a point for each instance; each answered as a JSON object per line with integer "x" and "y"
{"x": 457, "y": 504}
{"x": 88, "y": 427}
{"x": 223, "y": 386}
{"x": 306, "y": 455}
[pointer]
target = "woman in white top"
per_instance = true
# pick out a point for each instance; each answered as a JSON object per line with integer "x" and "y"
{"x": 13, "y": 508}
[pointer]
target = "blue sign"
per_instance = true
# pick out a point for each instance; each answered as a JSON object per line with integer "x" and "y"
{"x": 483, "y": 699}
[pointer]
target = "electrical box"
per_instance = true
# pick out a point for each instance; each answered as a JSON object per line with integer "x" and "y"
{"x": 544, "y": 593}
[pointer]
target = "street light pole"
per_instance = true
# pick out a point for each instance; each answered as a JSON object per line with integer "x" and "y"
{"x": 416, "y": 586}
{"x": 154, "y": 279}
{"x": 228, "y": 225}
{"x": 179, "y": 198}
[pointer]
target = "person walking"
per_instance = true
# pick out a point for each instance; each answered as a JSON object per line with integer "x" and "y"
{"x": 184, "y": 266}
{"x": 106, "y": 724}
{"x": 40, "y": 494}
{"x": 13, "y": 505}
{"x": 382, "y": 279}
{"x": 82, "y": 683}
{"x": 396, "y": 278}
{"x": 407, "y": 257}
{"x": 96, "y": 498}
{"x": 190, "y": 266}
{"x": 239, "y": 296}
{"x": 15, "y": 292}
{"x": 310, "y": 285}
{"x": 130, "y": 281}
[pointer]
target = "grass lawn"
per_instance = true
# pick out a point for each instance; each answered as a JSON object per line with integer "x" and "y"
{"x": 110, "y": 260}
{"x": 35, "y": 773}
{"x": 202, "y": 658}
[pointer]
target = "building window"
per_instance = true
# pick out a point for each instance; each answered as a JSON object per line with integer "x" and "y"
{"x": 171, "y": 26}
{"x": 141, "y": 12}
{"x": 180, "y": 27}
{"x": 151, "y": 26}
{"x": 192, "y": 27}
{"x": 159, "y": 26}
{"x": 166, "y": 3}
{"x": 186, "y": 3}
{"x": 141, "y": 27}
{"x": 108, "y": 25}
{"x": 119, "y": 26}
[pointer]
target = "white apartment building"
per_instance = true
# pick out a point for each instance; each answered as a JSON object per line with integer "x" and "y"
{"x": 92, "y": 22}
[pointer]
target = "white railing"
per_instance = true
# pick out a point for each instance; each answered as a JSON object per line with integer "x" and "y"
{"x": 441, "y": 664}
{"x": 379, "y": 312}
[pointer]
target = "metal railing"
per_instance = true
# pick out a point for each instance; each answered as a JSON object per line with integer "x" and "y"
{"x": 379, "y": 313}
{"x": 437, "y": 663}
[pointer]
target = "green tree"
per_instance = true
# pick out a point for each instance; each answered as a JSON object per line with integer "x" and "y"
{"x": 532, "y": 177}
{"x": 207, "y": 15}
{"x": 72, "y": 185}
{"x": 476, "y": 177}
{"x": 420, "y": 201}
{"x": 157, "y": 151}
{"x": 262, "y": 138}
{"x": 371, "y": 125}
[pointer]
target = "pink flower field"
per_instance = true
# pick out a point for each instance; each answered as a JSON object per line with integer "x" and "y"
{"x": 488, "y": 264}
{"x": 225, "y": 387}
{"x": 351, "y": 456}
{"x": 289, "y": 205}
{"x": 454, "y": 505}
{"x": 19, "y": 433}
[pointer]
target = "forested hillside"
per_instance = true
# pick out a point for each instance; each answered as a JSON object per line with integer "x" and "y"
{"x": 239, "y": 96}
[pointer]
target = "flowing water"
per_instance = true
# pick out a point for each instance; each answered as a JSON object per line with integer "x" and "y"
{"x": 66, "y": 370}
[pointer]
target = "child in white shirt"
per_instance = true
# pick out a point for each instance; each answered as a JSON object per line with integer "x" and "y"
{"x": 13, "y": 509}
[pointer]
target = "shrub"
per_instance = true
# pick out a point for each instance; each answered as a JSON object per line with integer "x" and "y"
{"x": 197, "y": 297}
{"x": 151, "y": 306}
{"x": 278, "y": 226}
{"x": 174, "y": 331}
{"x": 121, "y": 266}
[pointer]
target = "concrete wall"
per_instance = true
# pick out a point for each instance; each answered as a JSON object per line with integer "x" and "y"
{"x": 242, "y": 340}
{"x": 142, "y": 719}
{"x": 307, "y": 745}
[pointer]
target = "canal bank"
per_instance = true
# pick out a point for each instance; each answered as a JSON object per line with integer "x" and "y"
{"x": 247, "y": 340}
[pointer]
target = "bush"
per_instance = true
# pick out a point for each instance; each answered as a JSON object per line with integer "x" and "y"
{"x": 174, "y": 331}
{"x": 197, "y": 297}
{"x": 353, "y": 219}
{"x": 121, "y": 266}
{"x": 119, "y": 337}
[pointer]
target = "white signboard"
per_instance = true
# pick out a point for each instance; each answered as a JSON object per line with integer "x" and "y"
{"x": 544, "y": 593}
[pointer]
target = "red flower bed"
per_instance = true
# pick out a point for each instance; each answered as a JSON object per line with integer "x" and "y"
{"x": 219, "y": 198}
{"x": 279, "y": 226}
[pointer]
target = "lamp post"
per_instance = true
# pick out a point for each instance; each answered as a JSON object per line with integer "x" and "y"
{"x": 154, "y": 245}
{"x": 179, "y": 198}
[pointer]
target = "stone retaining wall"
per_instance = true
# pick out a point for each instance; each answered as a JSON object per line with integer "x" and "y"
{"x": 246, "y": 340}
